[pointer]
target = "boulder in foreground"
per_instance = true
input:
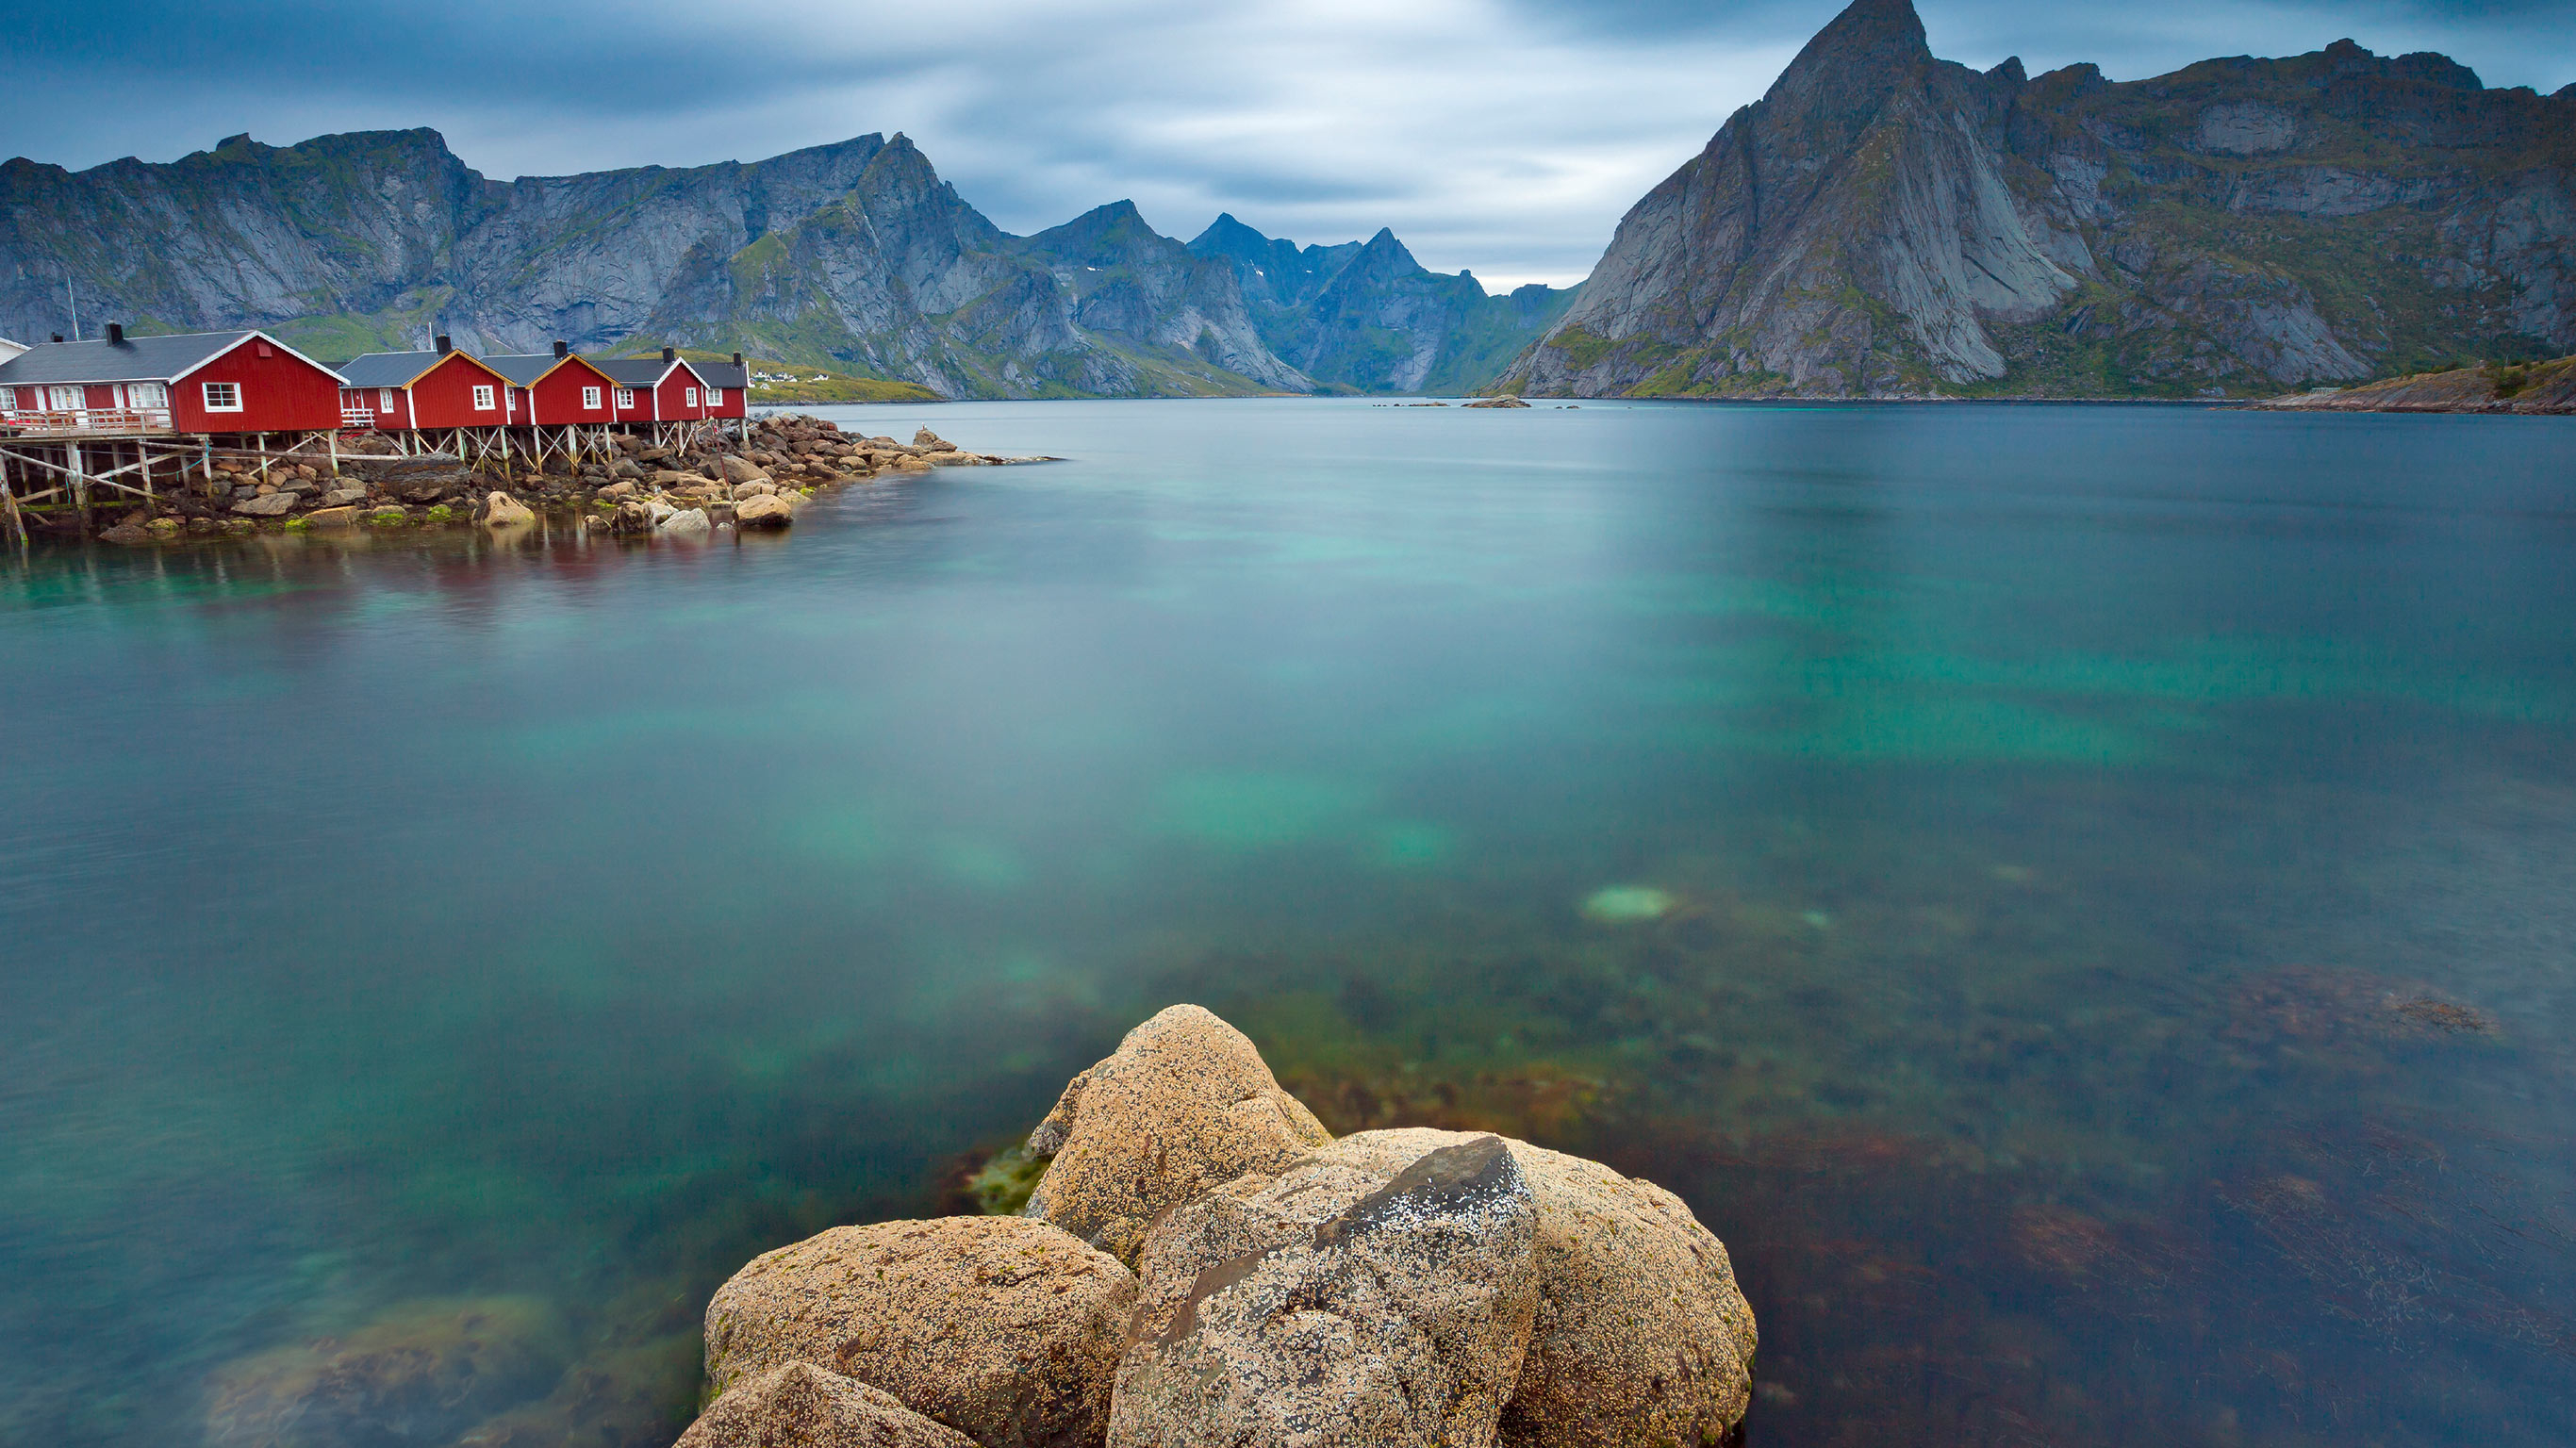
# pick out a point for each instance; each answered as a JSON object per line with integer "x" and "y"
{"x": 802, "y": 1406}
{"x": 1184, "y": 1104}
{"x": 1332, "y": 1306}
{"x": 1642, "y": 1336}
{"x": 1005, "y": 1329}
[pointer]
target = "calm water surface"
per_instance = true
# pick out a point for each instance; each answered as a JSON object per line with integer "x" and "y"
{"x": 2114, "y": 985}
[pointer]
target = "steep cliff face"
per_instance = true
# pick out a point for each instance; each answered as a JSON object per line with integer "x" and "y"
{"x": 1885, "y": 223}
{"x": 1367, "y": 317}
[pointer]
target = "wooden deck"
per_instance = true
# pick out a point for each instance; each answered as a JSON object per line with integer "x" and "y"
{"x": 93, "y": 422}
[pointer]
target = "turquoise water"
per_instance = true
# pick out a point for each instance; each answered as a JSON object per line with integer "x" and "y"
{"x": 2082, "y": 900}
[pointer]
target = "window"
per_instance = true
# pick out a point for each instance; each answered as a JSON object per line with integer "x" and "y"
{"x": 590, "y": 397}
{"x": 483, "y": 401}
{"x": 223, "y": 397}
{"x": 384, "y": 399}
{"x": 73, "y": 399}
{"x": 146, "y": 394}
{"x": 8, "y": 399}
{"x": 626, "y": 397}
{"x": 688, "y": 397}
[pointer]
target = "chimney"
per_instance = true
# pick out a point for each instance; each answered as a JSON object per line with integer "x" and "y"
{"x": 737, "y": 359}
{"x": 116, "y": 334}
{"x": 670, "y": 354}
{"x": 58, "y": 336}
{"x": 563, "y": 349}
{"x": 446, "y": 344}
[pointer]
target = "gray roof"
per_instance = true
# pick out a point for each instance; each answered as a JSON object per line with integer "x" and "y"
{"x": 388, "y": 369}
{"x": 522, "y": 368}
{"x": 633, "y": 371}
{"x": 723, "y": 374}
{"x": 136, "y": 359}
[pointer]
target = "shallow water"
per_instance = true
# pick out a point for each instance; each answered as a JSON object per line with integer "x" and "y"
{"x": 2082, "y": 900}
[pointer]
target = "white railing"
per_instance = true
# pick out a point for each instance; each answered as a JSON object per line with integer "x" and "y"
{"x": 88, "y": 422}
{"x": 357, "y": 416}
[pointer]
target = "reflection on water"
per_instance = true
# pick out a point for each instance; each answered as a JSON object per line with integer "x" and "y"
{"x": 2082, "y": 900}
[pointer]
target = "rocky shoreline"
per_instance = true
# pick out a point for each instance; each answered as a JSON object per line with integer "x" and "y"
{"x": 2528, "y": 389}
{"x": 1201, "y": 1263}
{"x": 752, "y": 483}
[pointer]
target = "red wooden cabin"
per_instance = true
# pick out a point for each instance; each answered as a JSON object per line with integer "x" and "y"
{"x": 196, "y": 383}
{"x": 440, "y": 389}
{"x": 728, "y": 391}
{"x": 657, "y": 389}
{"x": 556, "y": 389}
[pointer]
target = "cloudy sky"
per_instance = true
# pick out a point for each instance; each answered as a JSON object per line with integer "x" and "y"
{"x": 1505, "y": 136}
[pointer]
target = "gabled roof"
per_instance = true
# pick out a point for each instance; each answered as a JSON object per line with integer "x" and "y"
{"x": 136, "y": 359}
{"x": 9, "y": 349}
{"x": 635, "y": 371}
{"x": 722, "y": 374}
{"x": 530, "y": 368}
{"x": 402, "y": 369}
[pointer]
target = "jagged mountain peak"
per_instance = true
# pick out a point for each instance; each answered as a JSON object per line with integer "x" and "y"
{"x": 1883, "y": 222}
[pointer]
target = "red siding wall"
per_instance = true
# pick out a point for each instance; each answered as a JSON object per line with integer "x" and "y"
{"x": 673, "y": 389}
{"x": 444, "y": 395}
{"x": 729, "y": 403}
{"x": 279, "y": 393}
{"x": 559, "y": 396}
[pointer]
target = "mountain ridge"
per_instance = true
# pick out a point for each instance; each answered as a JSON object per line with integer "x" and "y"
{"x": 855, "y": 256}
{"x": 1885, "y": 223}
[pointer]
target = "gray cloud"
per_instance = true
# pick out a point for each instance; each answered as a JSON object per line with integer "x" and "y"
{"x": 1503, "y": 135}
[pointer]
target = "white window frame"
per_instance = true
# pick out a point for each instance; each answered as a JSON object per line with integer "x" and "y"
{"x": 229, "y": 391}
{"x": 590, "y": 399}
{"x": 485, "y": 400}
{"x": 384, "y": 399}
{"x": 688, "y": 397}
{"x": 9, "y": 400}
{"x": 625, "y": 397}
{"x": 75, "y": 398}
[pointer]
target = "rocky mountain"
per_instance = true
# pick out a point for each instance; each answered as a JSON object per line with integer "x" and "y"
{"x": 855, "y": 257}
{"x": 1367, "y": 317}
{"x": 1885, "y": 223}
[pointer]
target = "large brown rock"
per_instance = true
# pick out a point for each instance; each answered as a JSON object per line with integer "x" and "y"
{"x": 1642, "y": 1337}
{"x": 802, "y": 1406}
{"x": 1005, "y": 1329}
{"x": 763, "y": 510}
{"x": 1184, "y": 1104}
{"x": 1329, "y": 1306}
{"x": 500, "y": 510}
{"x": 738, "y": 470}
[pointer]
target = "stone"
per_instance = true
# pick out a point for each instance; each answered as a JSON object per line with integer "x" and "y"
{"x": 625, "y": 468}
{"x": 1642, "y": 1337}
{"x": 126, "y": 534}
{"x": 336, "y": 517}
{"x": 802, "y": 1406}
{"x": 1331, "y": 1307}
{"x": 1499, "y": 402}
{"x": 673, "y": 478}
{"x": 631, "y": 520}
{"x": 1184, "y": 1104}
{"x": 1004, "y": 1329}
{"x": 955, "y": 460}
{"x": 687, "y": 521}
{"x": 342, "y": 497}
{"x": 763, "y": 510}
{"x": 652, "y": 454}
{"x": 925, "y": 438}
{"x": 500, "y": 510}
{"x": 389, "y": 516}
{"x": 740, "y": 470}
{"x": 910, "y": 464}
{"x": 753, "y": 488}
{"x": 618, "y": 490}
{"x": 266, "y": 505}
